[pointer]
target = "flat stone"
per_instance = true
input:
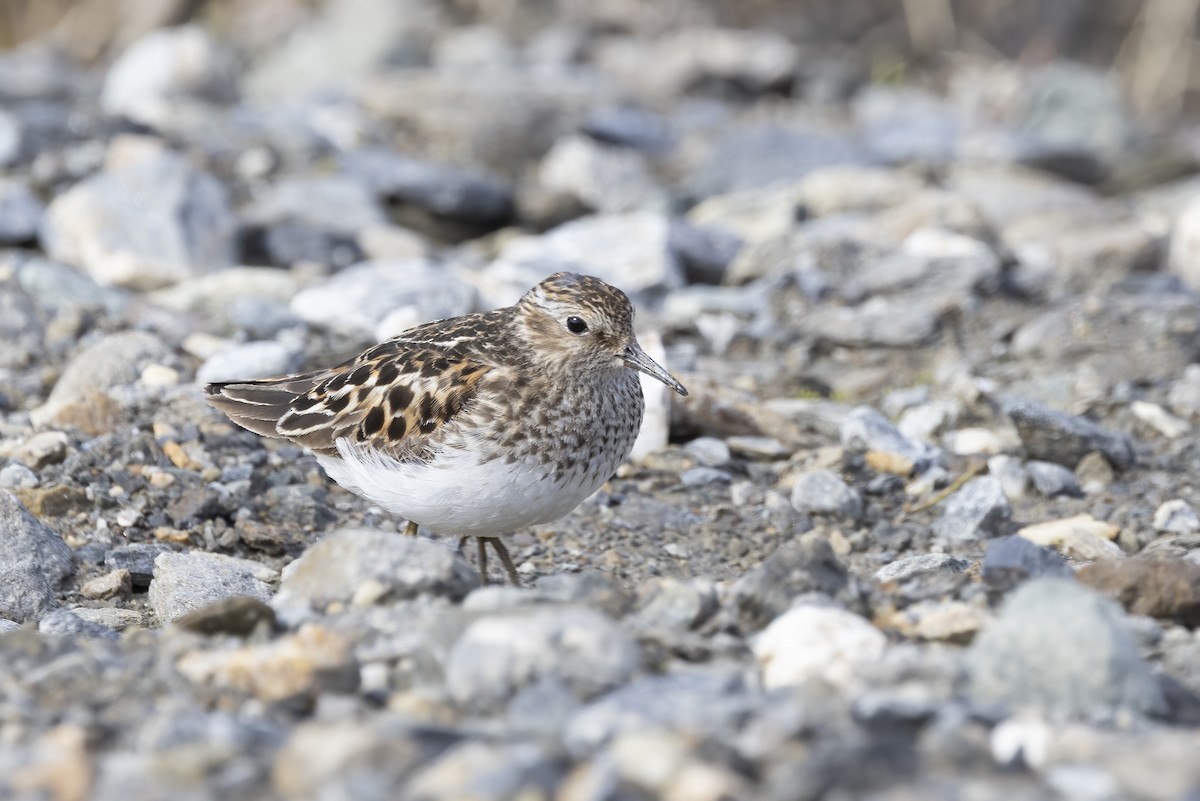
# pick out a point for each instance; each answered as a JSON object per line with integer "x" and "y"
{"x": 498, "y": 654}
{"x": 335, "y": 569}
{"x": 810, "y": 642}
{"x": 822, "y": 492}
{"x": 1161, "y": 588}
{"x": 978, "y": 510}
{"x": 1066, "y": 438}
{"x": 42, "y": 449}
{"x": 110, "y": 585}
{"x": 17, "y": 476}
{"x": 911, "y": 567}
{"x": 185, "y": 582}
{"x": 1064, "y": 648}
{"x": 1159, "y": 419}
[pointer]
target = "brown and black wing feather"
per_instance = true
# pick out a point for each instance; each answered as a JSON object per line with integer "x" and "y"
{"x": 397, "y": 396}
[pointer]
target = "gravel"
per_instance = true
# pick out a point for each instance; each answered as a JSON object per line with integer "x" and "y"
{"x": 923, "y": 527}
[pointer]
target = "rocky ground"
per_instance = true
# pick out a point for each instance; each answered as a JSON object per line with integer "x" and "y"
{"x": 925, "y": 527}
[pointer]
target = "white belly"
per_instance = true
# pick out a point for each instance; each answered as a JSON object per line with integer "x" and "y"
{"x": 456, "y": 495}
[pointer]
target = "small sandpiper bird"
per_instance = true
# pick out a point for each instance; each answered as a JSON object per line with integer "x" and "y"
{"x": 477, "y": 425}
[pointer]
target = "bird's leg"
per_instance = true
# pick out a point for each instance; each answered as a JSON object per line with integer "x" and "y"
{"x": 461, "y": 542}
{"x": 505, "y": 559}
{"x": 481, "y": 542}
{"x": 410, "y": 530}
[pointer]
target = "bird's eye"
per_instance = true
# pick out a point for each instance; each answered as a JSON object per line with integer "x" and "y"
{"x": 576, "y": 325}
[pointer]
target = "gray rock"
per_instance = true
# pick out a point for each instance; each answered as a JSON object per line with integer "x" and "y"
{"x": 705, "y": 252}
{"x": 185, "y": 582}
{"x": 700, "y": 476}
{"x": 904, "y": 125}
{"x": 674, "y": 604}
{"x": 979, "y": 510}
{"x": 1064, "y": 438}
{"x": 702, "y": 701}
{"x": 338, "y": 204}
{"x": 17, "y": 476}
{"x": 865, "y": 429}
{"x": 822, "y": 492}
{"x": 1063, "y": 648}
{"x": 364, "y": 566}
{"x": 8, "y": 625}
{"x": 22, "y": 327}
{"x": 1071, "y": 120}
{"x": 1052, "y": 480}
{"x": 25, "y": 594}
{"x": 472, "y": 196}
{"x": 228, "y": 297}
{"x": 911, "y": 567}
{"x": 251, "y": 360}
{"x": 1101, "y": 336}
{"x": 497, "y": 655}
{"x": 20, "y": 212}
{"x": 358, "y": 299}
{"x": 291, "y": 242}
{"x": 10, "y": 137}
{"x": 64, "y": 623}
{"x": 762, "y": 156}
{"x": 805, "y": 564}
{"x": 54, "y": 287}
{"x": 630, "y": 251}
{"x": 148, "y": 220}
{"x": 631, "y": 127}
{"x": 137, "y": 558}
{"x": 709, "y": 451}
{"x": 113, "y": 361}
{"x": 878, "y": 323}
{"x": 1011, "y": 560}
{"x": 606, "y": 179}
{"x": 485, "y": 771}
{"x": 33, "y": 561}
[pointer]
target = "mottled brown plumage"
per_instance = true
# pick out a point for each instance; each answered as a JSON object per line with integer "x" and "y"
{"x": 474, "y": 425}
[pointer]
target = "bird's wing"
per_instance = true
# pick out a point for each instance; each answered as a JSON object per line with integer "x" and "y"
{"x": 397, "y": 397}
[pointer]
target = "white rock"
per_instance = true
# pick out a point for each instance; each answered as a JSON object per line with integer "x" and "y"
{"x": 1176, "y": 517}
{"x": 629, "y": 251}
{"x": 811, "y": 642}
{"x": 1183, "y": 258}
{"x": 601, "y": 177}
{"x": 144, "y": 83}
{"x": 1160, "y": 419}
{"x": 1080, "y": 537}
